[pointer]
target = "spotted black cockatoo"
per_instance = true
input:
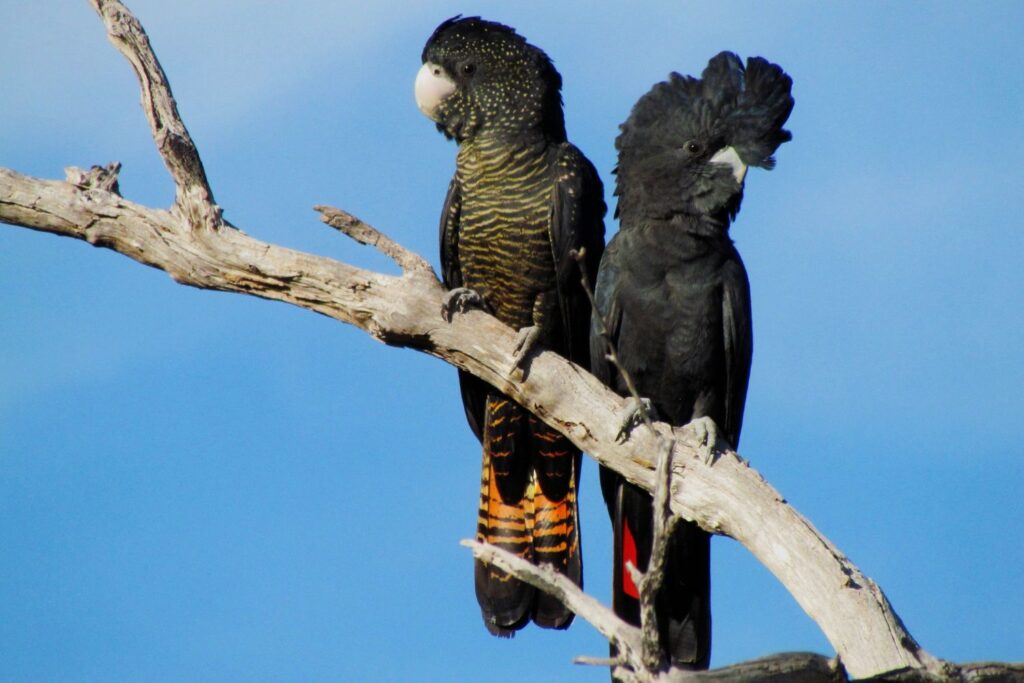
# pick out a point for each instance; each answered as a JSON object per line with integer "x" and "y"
{"x": 521, "y": 200}
{"x": 675, "y": 298}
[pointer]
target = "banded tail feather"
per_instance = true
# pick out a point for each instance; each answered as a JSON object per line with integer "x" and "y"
{"x": 556, "y": 538}
{"x": 504, "y": 601}
{"x": 527, "y": 507}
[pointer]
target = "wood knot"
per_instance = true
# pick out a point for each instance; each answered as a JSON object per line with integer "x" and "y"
{"x": 96, "y": 178}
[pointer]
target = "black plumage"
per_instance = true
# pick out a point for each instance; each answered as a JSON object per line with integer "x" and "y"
{"x": 521, "y": 200}
{"x": 675, "y": 298}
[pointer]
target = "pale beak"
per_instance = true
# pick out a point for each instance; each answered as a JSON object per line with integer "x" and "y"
{"x": 728, "y": 157}
{"x": 432, "y": 87}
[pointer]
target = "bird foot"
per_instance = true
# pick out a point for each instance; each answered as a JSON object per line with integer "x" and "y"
{"x": 705, "y": 433}
{"x": 633, "y": 415}
{"x": 460, "y": 299}
{"x": 526, "y": 339}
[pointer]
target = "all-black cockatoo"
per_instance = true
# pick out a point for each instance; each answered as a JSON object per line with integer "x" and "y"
{"x": 521, "y": 200}
{"x": 674, "y": 295}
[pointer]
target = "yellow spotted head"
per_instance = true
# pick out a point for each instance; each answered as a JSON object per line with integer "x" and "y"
{"x": 482, "y": 77}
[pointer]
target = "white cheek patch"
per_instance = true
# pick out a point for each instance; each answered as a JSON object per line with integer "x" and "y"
{"x": 727, "y": 156}
{"x": 432, "y": 87}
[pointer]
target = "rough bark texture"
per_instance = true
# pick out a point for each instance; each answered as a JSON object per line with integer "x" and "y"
{"x": 723, "y": 495}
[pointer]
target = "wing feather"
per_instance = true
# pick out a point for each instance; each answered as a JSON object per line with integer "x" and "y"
{"x": 577, "y": 222}
{"x": 739, "y": 346}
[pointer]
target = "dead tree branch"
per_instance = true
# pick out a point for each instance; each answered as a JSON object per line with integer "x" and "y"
{"x": 349, "y": 225}
{"x": 626, "y": 638}
{"x": 725, "y": 497}
{"x": 192, "y": 244}
{"x": 194, "y": 199}
{"x": 650, "y": 582}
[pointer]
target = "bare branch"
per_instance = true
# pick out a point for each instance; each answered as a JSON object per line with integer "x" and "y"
{"x": 791, "y": 667}
{"x": 596, "y": 661}
{"x": 363, "y": 233}
{"x": 624, "y": 637}
{"x": 194, "y": 197}
{"x": 629, "y": 665}
{"x": 664, "y": 523}
{"x": 621, "y": 672}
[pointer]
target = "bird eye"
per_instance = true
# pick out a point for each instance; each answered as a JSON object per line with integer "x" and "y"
{"x": 692, "y": 146}
{"x": 468, "y": 69}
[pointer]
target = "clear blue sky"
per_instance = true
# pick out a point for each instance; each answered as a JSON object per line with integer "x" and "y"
{"x": 203, "y": 486}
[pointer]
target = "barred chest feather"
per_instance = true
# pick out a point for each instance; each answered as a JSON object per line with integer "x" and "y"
{"x": 504, "y": 231}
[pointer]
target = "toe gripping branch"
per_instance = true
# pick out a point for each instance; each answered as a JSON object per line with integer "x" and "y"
{"x": 460, "y": 300}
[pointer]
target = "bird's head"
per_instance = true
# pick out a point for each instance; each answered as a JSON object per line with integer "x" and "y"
{"x": 482, "y": 77}
{"x": 687, "y": 144}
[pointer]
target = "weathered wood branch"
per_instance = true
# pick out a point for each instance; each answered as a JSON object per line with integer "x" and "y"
{"x": 632, "y": 663}
{"x": 194, "y": 197}
{"x": 626, "y": 638}
{"x": 724, "y": 496}
{"x": 348, "y": 224}
{"x": 650, "y": 582}
{"x": 193, "y": 245}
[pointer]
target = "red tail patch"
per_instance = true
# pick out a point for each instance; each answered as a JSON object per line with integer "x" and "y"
{"x": 628, "y": 555}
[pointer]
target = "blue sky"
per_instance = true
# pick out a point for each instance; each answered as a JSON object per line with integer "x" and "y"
{"x": 203, "y": 486}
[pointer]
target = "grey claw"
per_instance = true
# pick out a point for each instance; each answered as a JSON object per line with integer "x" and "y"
{"x": 526, "y": 339}
{"x": 705, "y": 432}
{"x": 633, "y": 415}
{"x": 460, "y": 299}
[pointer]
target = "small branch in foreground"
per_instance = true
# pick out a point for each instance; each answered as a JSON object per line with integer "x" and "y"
{"x": 364, "y": 233}
{"x": 596, "y": 661}
{"x": 788, "y": 667}
{"x": 623, "y": 636}
{"x": 664, "y": 524}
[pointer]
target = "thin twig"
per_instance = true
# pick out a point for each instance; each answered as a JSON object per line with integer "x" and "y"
{"x": 366, "y": 234}
{"x": 664, "y": 523}
{"x": 597, "y": 661}
{"x": 622, "y": 671}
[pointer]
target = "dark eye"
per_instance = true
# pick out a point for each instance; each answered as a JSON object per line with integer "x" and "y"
{"x": 468, "y": 68}
{"x": 693, "y": 147}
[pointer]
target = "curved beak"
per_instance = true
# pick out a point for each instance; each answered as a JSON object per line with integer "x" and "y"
{"x": 727, "y": 156}
{"x": 432, "y": 87}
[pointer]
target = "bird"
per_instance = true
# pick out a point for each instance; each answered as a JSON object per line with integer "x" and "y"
{"x": 673, "y": 298}
{"x": 523, "y": 201}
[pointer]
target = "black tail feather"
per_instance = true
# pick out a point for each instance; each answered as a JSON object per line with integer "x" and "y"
{"x": 683, "y": 603}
